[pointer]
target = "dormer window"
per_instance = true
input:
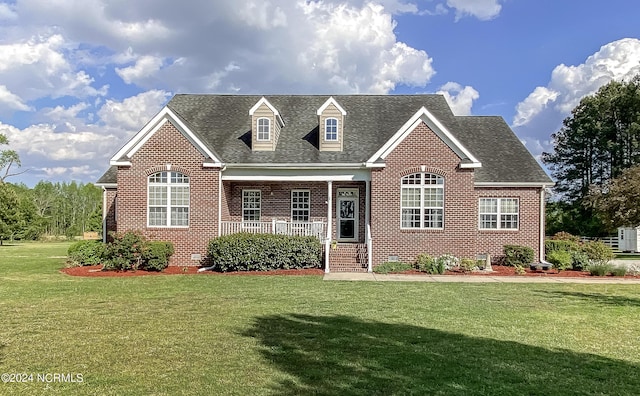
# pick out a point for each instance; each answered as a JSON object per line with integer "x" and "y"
{"x": 266, "y": 124}
{"x": 331, "y": 129}
{"x": 331, "y": 121}
{"x": 264, "y": 129}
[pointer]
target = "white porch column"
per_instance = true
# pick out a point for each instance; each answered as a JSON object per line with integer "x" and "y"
{"x": 367, "y": 220}
{"x": 327, "y": 240}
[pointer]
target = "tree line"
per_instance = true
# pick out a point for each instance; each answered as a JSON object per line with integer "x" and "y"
{"x": 594, "y": 162}
{"x": 49, "y": 209}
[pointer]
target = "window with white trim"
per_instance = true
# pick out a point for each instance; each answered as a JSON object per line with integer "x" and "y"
{"x": 168, "y": 199}
{"x": 300, "y": 205}
{"x": 498, "y": 213}
{"x": 251, "y": 201}
{"x": 331, "y": 129}
{"x": 264, "y": 129}
{"x": 422, "y": 201}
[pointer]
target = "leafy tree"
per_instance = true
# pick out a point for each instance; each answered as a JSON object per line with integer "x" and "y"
{"x": 8, "y": 158}
{"x": 9, "y": 211}
{"x": 598, "y": 141}
{"x": 619, "y": 200}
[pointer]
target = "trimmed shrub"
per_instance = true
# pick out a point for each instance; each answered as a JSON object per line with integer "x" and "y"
{"x": 424, "y": 262}
{"x": 579, "y": 260}
{"x": 518, "y": 255}
{"x": 565, "y": 236}
{"x": 468, "y": 264}
{"x": 126, "y": 251}
{"x": 560, "y": 259}
{"x": 86, "y": 253}
{"x": 391, "y": 267}
{"x": 447, "y": 262}
{"x": 552, "y": 245}
{"x": 263, "y": 252}
{"x": 156, "y": 256}
{"x": 598, "y": 252}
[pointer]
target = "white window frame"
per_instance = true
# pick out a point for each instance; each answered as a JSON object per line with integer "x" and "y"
{"x": 246, "y": 194}
{"x": 260, "y": 128}
{"x": 499, "y": 214}
{"x": 326, "y": 129}
{"x": 296, "y": 208}
{"x": 170, "y": 186}
{"x": 422, "y": 186}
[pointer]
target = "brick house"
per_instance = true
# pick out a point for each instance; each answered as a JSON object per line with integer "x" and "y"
{"x": 373, "y": 177}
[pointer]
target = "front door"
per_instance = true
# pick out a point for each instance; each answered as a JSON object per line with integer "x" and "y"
{"x": 347, "y": 215}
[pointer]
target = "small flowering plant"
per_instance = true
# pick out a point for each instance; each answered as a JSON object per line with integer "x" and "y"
{"x": 449, "y": 261}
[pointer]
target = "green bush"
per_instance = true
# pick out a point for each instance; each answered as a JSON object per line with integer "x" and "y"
{"x": 263, "y": 252}
{"x": 598, "y": 252}
{"x": 579, "y": 260}
{"x": 430, "y": 265}
{"x": 156, "y": 256}
{"x": 391, "y": 267}
{"x": 619, "y": 270}
{"x": 424, "y": 262}
{"x": 560, "y": 259}
{"x": 552, "y": 245}
{"x": 126, "y": 251}
{"x": 86, "y": 253}
{"x": 600, "y": 269}
{"x": 468, "y": 264}
{"x": 565, "y": 236}
{"x": 517, "y": 255}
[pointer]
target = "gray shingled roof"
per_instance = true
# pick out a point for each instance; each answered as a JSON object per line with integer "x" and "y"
{"x": 222, "y": 122}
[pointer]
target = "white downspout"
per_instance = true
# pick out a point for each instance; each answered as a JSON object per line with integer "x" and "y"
{"x": 367, "y": 216}
{"x": 104, "y": 215}
{"x": 220, "y": 201}
{"x": 327, "y": 240}
{"x": 542, "y": 225}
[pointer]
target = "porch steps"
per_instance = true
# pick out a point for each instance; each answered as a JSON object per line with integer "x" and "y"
{"x": 348, "y": 257}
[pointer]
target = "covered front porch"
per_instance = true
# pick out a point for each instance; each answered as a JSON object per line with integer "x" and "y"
{"x": 334, "y": 210}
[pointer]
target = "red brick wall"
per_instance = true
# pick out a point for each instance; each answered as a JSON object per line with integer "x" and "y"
{"x": 169, "y": 146}
{"x": 110, "y": 210}
{"x": 460, "y": 236}
{"x": 492, "y": 241}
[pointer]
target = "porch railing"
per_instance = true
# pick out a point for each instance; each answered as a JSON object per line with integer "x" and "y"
{"x": 312, "y": 228}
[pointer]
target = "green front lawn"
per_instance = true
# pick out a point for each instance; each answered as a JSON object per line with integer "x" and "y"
{"x": 248, "y": 335}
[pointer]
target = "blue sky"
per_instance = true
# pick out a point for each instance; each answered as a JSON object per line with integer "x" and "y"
{"x": 79, "y": 77}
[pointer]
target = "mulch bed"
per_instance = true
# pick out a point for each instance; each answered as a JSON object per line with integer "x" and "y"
{"x": 498, "y": 270}
{"x": 96, "y": 271}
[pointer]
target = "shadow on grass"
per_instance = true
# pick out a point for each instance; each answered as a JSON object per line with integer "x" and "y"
{"x": 342, "y": 355}
{"x": 598, "y": 298}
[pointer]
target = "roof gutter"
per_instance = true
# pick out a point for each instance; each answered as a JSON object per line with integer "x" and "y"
{"x": 297, "y": 166}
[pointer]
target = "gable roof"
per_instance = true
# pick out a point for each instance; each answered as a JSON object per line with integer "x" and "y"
{"x": 222, "y": 125}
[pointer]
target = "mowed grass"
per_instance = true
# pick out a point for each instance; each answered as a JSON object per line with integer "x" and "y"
{"x": 254, "y": 335}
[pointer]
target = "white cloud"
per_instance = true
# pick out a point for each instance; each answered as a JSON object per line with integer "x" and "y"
{"x": 145, "y": 66}
{"x": 12, "y": 101}
{"x": 132, "y": 113}
{"x": 533, "y": 105}
{"x": 37, "y": 68}
{"x": 484, "y": 10}
{"x": 459, "y": 98}
{"x": 617, "y": 60}
{"x": 262, "y": 14}
{"x": 73, "y": 171}
{"x": 7, "y": 13}
{"x": 357, "y": 51}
